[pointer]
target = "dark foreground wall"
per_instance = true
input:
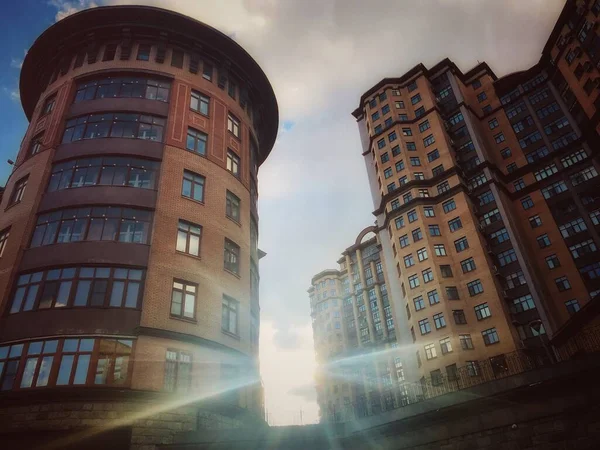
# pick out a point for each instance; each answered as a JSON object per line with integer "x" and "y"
{"x": 551, "y": 413}
{"x": 556, "y": 407}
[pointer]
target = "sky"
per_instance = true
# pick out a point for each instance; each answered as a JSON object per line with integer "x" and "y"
{"x": 320, "y": 56}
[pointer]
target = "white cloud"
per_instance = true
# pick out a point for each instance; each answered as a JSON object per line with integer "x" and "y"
{"x": 12, "y": 93}
{"x": 16, "y": 63}
{"x": 67, "y": 7}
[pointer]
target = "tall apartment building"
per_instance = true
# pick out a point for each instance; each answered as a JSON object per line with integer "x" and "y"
{"x": 129, "y": 260}
{"x": 486, "y": 195}
{"x": 360, "y": 370}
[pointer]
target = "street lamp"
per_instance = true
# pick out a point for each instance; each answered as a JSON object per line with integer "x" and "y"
{"x": 538, "y": 326}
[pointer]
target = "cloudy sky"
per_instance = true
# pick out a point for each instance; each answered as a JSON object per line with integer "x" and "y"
{"x": 320, "y": 56}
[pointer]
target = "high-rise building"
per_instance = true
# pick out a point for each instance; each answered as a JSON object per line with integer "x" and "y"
{"x": 486, "y": 198}
{"x": 360, "y": 370}
{"x": 128, "y": 237}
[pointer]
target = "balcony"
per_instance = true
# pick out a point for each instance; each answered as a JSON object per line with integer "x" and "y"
{"x": 86, "y": 252}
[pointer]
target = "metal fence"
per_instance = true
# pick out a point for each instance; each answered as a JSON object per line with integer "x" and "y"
{"x": 585, "y": 342}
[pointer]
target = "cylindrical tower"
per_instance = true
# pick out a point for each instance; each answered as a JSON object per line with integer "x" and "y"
{"x": 128, "y": 238}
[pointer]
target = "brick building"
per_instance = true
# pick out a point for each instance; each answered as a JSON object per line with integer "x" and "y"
{"x": 486, "y": 197}
{"x": 360, "y": 369}
{"x": 128, "y": 237}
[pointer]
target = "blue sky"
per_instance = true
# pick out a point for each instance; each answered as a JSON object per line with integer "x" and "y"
{"x": 21, "y": 21}
{"x": 320, "y": 56}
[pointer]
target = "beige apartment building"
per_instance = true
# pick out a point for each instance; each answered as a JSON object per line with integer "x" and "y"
{"x": 360, "y": 369}
{"x": 485, "y": 193}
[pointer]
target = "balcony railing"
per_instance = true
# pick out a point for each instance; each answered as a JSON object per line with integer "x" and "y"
{"x": 502, "y": 366}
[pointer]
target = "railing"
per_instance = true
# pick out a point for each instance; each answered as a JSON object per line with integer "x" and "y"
{"x": 587, "y": 341}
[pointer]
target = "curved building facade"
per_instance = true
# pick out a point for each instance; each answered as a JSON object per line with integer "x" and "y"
{"x": 129, "y": 266}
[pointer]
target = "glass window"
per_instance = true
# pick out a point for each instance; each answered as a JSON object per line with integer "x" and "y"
{"x": 527, "y": 202}
{"x": 468, "y": 265}
{"x": 183, "y": 299}
{"x": 233, "y": 125}
{"x": 196, "y": 141}
{"x": 423, "y": 126}
{"x": 434, "y": 230}
{"x": 433, "y": 297}
{"x": 178, "y": 371}
{"x": 433, "y": 155}
{"x": 417, "y": 235}
{"x": 440, "y": 250}
{"x": 399, "y": 221}
{"x": 449, "y": 205}
{"x": 18, "y": 191}
{"x": 482, "y": 311}
{"x": 415, "y": 161}
{"x": 113, "y": 361}
{"x": 188, "y": 238}
{"x": 461, "y": 244}
{"x": 523, "y": 303}
{"x": 114, "y": 125}
{"x": 490, "y": 336}
{"x": 232, "y": 207}
{"x": 439, "y": 321}
{"x": 233, "y": 163}
{"x": 232, "y": 89}
{"x": 452, "y": 293}
{"x": 475, "y": 288}
{"x": 232, "y": 256}
{"x": 430, "y": 352}
{"x": 543, "y": 241}
{"x": 143, "y": 52}
{"x": 3, "y": 240}
{"x": 459, "y": 316}
{"x": 107, "y": 171}
{"x": 193, "y": 186}
{"x": 429, "y": 140}
{"x": 419, "y": 303}
{"x": 552, "y": 261}
{"x": 413, "y": 281}
{"x": 123, "y": 87}
{"x": 455, "y": 224}
{"x": 207, "y": 71}
{"x": 443, "y": 187}
{"x": 466, "y": 343}
{"x": 404, "y": 241}
{"x": 562, "y": 283}
{"x": 229, "y": 318}
{"x": 106, "y": 223}
{"x": 427, "y": 275}
{"x": 36, "y": 144}
{"x": 572, "y": 306}
{"x": 200, "y": 103}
